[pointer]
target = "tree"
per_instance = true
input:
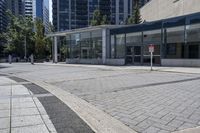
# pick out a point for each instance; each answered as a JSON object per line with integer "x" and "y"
{"x": 19, "y": 31}
{"x": 136, "y": 17}
{"x": 28, "y": 35}
{"x": 25, "y": 37}
{"x": 40, "y": 39}
{"x": 98, "y": 18}
{"x": 104, "y": 20}
{"x": 14, "y": 36}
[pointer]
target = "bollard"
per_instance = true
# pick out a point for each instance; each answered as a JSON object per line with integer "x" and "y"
{"x": 10, "y": 59}
{"x": 32, "y": 59}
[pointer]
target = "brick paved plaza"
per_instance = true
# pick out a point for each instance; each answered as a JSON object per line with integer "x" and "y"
{"x": 143, "y": 100}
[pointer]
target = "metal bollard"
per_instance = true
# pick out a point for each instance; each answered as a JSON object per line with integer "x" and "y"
{"x": 10, "y": 59}
{"x": 32, "y": 59}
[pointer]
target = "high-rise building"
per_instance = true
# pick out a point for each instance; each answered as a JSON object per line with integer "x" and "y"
{"x": 16, "y": 6}
{"x": 72, "y": 14}
{"x": 28, "y": 8}
{"x": 38, "y": 9}
{"x": 3, "y": 19}
{"x": 3, "y": 22}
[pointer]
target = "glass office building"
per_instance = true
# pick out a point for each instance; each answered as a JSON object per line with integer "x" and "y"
{"x": 74, "y": 14}
{"x": 176, "y": 41}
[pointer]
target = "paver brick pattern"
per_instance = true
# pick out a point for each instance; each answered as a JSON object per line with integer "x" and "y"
{"x": 152, "y": 102}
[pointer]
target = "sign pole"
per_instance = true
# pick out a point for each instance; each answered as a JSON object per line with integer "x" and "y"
{"x": 151, "y": 61}
{"x": 151, "y": 50}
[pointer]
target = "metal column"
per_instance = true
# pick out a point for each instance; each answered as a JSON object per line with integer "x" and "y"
{"x": 55, "y": 50}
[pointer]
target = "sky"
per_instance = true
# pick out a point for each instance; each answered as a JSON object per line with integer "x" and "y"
{"x": 50, "y": 11}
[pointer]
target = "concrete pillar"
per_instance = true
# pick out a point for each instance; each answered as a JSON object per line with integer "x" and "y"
{"x": 55, "y": 53}
{"x": 104, "y": 41}
{"x": 108, "y": 48}
{"x": 32, "y": 59}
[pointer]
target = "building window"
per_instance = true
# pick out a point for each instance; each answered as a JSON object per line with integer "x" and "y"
{"x": 171, "y": 49}
{"x": 85, "y": 45}
{"x": 75, "y": 45}
{"x": 175, "y": 42}
{"x": 68, "y": 41}
{"x": 120, "y": 46}
{"x": 193, "y": 41}
{"x": 97, "y": 44}
{"x": 152, "y": 37}
{"x": 134, "y": 38}
{"x": 112, "y": 47}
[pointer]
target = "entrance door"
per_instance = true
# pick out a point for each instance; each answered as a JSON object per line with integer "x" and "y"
{"x": 133, "y": 55}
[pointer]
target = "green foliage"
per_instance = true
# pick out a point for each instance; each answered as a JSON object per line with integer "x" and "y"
{"x": 51, "y": 28}
{"x": 98, "y": 18}
{"x": 23, "y": 30}
{"x": 39, "y": 39}
{"x": 136, "y": 17}
{"x": 19, "y": 28}
{"x": 104, "y": 20}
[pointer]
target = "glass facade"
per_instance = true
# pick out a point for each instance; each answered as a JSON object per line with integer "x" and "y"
{"x": 175, "y": 42}
{"x": 83, "y": 45}
{"x": 74, "y": 14}
{"x": 120, "y": 45}
{"x": 193, "y": 40}
{"x": 175, "y": 38}
{"x": 183, "y": 42}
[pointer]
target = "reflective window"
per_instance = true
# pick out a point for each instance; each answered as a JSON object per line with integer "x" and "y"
{"x": 175, "y": 34}
{"x": 97, "y": 44}
{"x": 68, "y": 46}
{"x": 193, "y": 41}
{"x": 175, "y": 42}
{"x": 112, "y": 47}
{"x": 153, "y": 36}
{"x": 62, "y": 50}
{"x": 85, "y": 45}
{"x": 120, "y": 46}
{"x": 75, "y": 45}
{"x": 134, "y": 38}
{"x": 193, "y": 33}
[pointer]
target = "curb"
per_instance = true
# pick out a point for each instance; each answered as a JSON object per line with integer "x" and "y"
{"x": 99, "y": 121}
{"x": 189, "y": 130}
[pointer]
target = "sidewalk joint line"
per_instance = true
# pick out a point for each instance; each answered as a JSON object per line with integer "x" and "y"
{"x": 10, "y": 108}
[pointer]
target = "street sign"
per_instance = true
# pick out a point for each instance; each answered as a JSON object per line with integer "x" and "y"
{"x": 151, "y": 48}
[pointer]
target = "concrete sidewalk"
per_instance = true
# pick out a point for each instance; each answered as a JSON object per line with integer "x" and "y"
{"x": 27, "y": 108}
{"x": 192, "y": 70}
{"x": 20, "y": 111}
